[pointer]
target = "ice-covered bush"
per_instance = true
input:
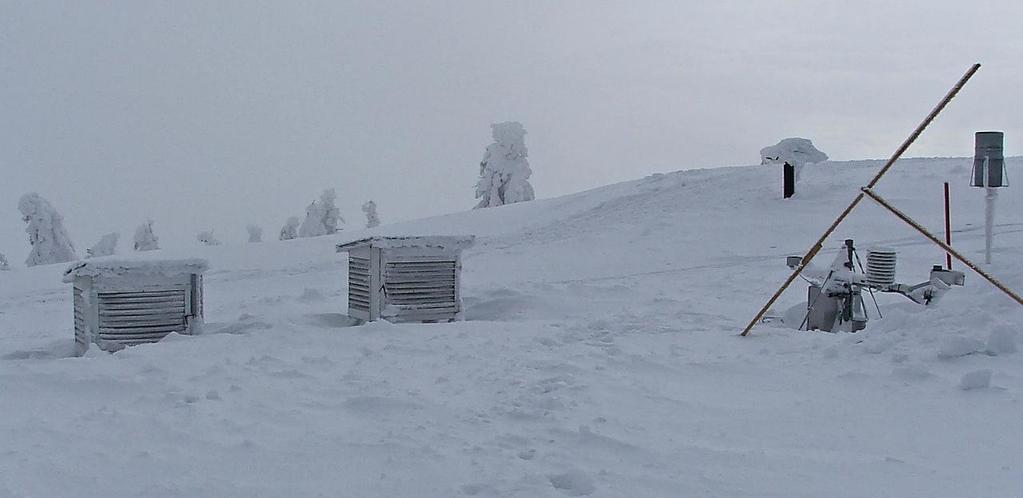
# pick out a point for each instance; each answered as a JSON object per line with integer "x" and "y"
{"x": 106, "y": 246}
{"x": 145, "y": 239}
{"x": 372, "y": 219}
{"x": 4, "y": 265}
{"x": 50, "y": 241}
{"x": 290, "y": 229}
{"x": 313, "y": 224}
{"x": 504, "y": 171}
{"x": 255, "y": 233}
{"x": 332, "y": 219}
{"x": 207, "y": 238}
{"x": 798, "y": 152}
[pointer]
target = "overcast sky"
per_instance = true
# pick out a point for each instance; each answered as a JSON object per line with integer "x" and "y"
{"x": 217, "y": 114}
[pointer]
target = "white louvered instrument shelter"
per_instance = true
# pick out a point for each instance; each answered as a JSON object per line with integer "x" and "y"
{"x": 405, "y": 279}
{"x": 120, "y": 303}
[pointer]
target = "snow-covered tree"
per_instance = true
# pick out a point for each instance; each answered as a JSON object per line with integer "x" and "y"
{"x": 504, "y": 171}
{"x": 106, "y": 246}
{"x": 290, "y": 229}
{"x": 255, "y": 233}
{"x": 207, "y": 238}
{"x": 4, "y": 265}
{"x": 372, "y": 219}
{"x": 332, "y": 219}
{"x": 145, "y": 239}
{"x": 50, "y": 241}
{"x": 798, "y": 152}
{"x": 313, "y": 224}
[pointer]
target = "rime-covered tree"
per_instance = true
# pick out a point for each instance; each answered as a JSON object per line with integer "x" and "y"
{"x": 332, "y": 219}
{"x": 313, "y": 224}
{"x": 504, "y": 171}
{"x": 4, "y": 265}
{"x": 145, "y": 239}
{"x": 106, "y": 246}
{"x": 372, "y": 219}
{"x": 46, "y": 233}
{"x": 255, "y": 233}
{"x": 290, "y": 229}
{"x": 207, "y": 238}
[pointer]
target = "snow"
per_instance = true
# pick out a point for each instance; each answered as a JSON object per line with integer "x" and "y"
{"x": 795, "y": 151}
{"x": 106, "y": 246}
{"x": 604, "y": 360}
{"x": 1001, "y": 341}
{"x": 331, "y": 214}
{"x": 147, "y": 264}
{"x": 145, "y": 239}
{"x": 372, "y": 218}
{"x": 207, "y": 238}
{"x": 956, "y": 346}
{"x": 977, "y": 379}
{"x": 255, "y": 233}
{"x": 444, "y": 242}
{"x": 313, "y": 224}
{"x": 290, "y": 229}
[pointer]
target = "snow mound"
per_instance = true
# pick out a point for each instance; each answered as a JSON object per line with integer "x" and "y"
{"x": 795, "y": 151}
{"x": 977, "y": 379}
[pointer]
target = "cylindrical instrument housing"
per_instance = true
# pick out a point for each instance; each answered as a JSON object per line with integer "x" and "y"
{"x": 880, "y": 267}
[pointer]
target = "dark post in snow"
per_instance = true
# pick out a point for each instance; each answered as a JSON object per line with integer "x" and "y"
{"x": 989, "y": 173}
{"x": 789, "y": 179}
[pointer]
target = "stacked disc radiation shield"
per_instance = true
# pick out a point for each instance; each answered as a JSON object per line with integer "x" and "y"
{"x": 880, "y": 267}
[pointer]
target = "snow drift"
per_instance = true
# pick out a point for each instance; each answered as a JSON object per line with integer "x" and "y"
{"x": 599, "y": 357}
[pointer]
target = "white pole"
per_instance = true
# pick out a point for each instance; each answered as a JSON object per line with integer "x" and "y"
{"x": 989, "y": 212}
{"x": 989, "y": 221}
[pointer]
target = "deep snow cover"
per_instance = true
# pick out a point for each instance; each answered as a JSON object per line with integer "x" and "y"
{"x": 599, "y": 357}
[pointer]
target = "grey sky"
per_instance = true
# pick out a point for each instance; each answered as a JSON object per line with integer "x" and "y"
{"x": 218, "y": 114}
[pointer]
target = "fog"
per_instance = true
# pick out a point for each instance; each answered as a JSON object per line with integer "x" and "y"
{"x": 205, "y": 115}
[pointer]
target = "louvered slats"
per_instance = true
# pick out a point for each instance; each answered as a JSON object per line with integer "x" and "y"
{"x": 358, "y": 283}
{"x": 138, "y": 317}
{"x": 420, "y": 285}
{"x": 81, "y": 335}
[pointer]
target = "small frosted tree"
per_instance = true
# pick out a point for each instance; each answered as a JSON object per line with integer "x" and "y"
{"x": 255, "y": 233}
{"x": 145, "y": 239}
{"x": 290, "y": 229}
{"x": 207, "y": 238}
{"x": 106, "y": 246}
{"x": 332, "y": 219}
{"x": 4, "y": 265}
{"x": 313, "y": 224}
{"x": 504, "y": 171}
{"x": 372, "y": 219}
{"x": 50, "y": 241}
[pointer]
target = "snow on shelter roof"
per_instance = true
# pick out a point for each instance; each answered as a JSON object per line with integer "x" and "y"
{"x": 119, "y": 266}
{"x": 450, "y": 242}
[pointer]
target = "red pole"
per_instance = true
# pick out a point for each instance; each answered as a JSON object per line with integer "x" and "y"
{"x": 948, "y": 230}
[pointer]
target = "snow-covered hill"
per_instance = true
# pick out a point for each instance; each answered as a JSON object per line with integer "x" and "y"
{"x": 599, "y": 357}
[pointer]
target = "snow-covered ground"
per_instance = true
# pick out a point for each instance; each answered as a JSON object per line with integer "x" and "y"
{"x": 600, "y": 356}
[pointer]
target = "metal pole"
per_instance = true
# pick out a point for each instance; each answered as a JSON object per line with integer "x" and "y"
{"x": 948, "y": 230}
{"x": 902, "y": 216}
{"x": 859, "y": 197}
